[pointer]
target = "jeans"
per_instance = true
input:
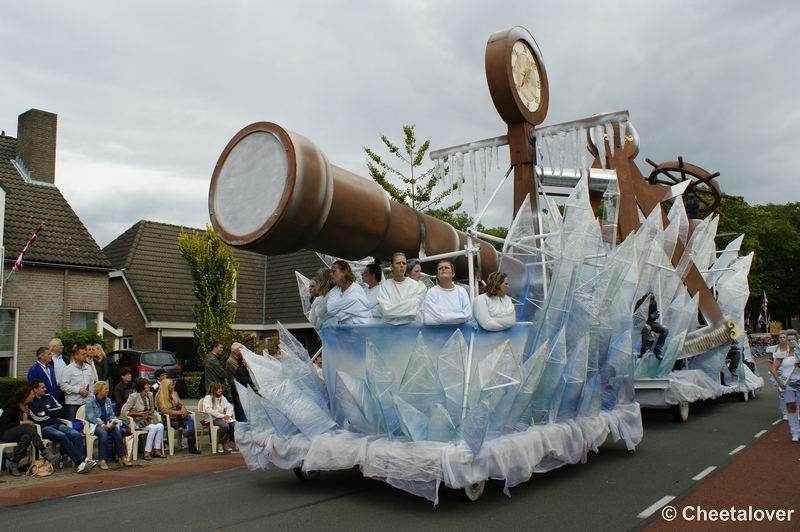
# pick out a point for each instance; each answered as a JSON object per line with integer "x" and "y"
{"x": 225, "y": 429}
{"x": 662, "y": 333}
{"x": 102, "y": 441}
{"x": 70, "y": 411}
{"x": 155, "y": 433}
{"x": 69, "y": 439}
{"x": 188, "y": 424}
{"x": 23, "y": 436}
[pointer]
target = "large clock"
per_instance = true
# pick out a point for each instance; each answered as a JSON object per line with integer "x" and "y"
{"x": 516, "y": 77}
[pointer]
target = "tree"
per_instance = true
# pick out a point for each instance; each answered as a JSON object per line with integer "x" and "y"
{"x": 83, "y": 336}
{"x": 418, "y": 186}
{"x": 214, "y": 269}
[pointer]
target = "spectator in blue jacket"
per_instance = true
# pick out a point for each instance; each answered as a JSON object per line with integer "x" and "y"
{"x": 44, "y": 411}
{"x": 100, "y": 414}
{"x": 44, "y": 371}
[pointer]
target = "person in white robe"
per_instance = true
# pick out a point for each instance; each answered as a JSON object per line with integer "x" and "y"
{"x": 446, "y": 303}
{"x": 401, "y": 297}
{"x": 372, "y": 277}
{"x": 318, "y": 314}
{"x": 347, "y": 301}
{"x": 494, "y": 310}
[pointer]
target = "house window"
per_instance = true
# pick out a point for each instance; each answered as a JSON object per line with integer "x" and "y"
{"x": 83, "y": 320}
{"x": 126, "y": 342}
{"x": 8, "y": 340}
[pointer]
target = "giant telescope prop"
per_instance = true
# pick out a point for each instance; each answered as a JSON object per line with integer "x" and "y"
{"x": 417, "y": 406}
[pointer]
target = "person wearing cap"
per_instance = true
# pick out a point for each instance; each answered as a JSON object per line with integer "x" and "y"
{"x": 691, "y": 205}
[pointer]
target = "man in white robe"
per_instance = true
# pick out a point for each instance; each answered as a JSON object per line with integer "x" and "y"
{"x": 446, "y": 303}
{"x": 401, "y": 297}
{"x": 350, "y": 306}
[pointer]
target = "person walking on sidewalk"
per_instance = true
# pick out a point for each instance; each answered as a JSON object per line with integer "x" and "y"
{"x": 786, "y": 371}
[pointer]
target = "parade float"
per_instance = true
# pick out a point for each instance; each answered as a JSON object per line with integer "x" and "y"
{"x": 419, "y": 406}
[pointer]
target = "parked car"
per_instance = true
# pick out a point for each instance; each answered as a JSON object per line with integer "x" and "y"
{"x": 144, "y": 363}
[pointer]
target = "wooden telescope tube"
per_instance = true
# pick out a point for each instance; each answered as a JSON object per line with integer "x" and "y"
{"x": 274, "y": 192}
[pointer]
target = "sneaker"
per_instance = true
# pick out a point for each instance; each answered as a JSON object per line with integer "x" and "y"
{"x": 227, "y": 449}
{"x": 795, "y": 438}
{"x": 48, "y": 455}
{"x": 658, "y": 355}
{"x": 220, "y": 449}
{"x": 86, "y": 465}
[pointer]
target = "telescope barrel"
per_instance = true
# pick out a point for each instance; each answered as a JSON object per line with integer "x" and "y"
{"x": 274, "y": 192}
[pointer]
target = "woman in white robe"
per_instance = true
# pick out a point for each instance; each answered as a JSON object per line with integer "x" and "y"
{"x": 318, "y": 314}
{"x": 347, "y": 301}
{"x": 493, "y": 309}
{"x": 372, "y": 277}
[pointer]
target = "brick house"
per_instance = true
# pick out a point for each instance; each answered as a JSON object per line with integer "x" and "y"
{"x": 64, "y": 283}
{"x": 150, "y": 296}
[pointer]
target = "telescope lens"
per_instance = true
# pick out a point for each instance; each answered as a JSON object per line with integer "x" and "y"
{"x": 250, "y": 183}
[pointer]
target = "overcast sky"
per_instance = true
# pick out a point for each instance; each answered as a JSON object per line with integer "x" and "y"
{"x": 149, "y": 93}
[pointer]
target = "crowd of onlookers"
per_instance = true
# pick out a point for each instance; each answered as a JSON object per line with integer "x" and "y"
{"x": 66, "y": 400}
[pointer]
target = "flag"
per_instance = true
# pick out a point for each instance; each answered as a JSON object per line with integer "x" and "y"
{"x": 18, "y": 264}
{"x": 765, "y": 306}
{"x": 760, "y": 322}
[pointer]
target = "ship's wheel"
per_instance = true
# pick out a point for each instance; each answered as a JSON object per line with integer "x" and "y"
{"x": 703, "y": 184}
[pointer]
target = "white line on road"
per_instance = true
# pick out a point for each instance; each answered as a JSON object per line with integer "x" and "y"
{"x": 740, "y": 448}
{"x": 102, "y": 491}
{"x": 760, "y": 434}
{"x": 704, "y": 472}
{"x": 777, "y": 421}
{"x": 655, "y": 507}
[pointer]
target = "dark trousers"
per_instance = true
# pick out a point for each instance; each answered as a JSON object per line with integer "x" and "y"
{"x": 660, "y": 330}
{"x": 23, "y": 436}
{"x": 225, "y": 430}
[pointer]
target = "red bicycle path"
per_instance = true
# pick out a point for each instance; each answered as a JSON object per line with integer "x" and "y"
{"x": 761, "y": 480}
{"x": 13, "y": 496}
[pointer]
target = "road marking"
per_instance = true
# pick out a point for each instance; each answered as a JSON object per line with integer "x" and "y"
{"x": 650, "y": 510}
{"x": 102, "y": 491}
{"x": 777, "y": 421}
{"x": 760, "y": 434}
{"x": 741, "y": 447}
{"x": 702, "y": 474}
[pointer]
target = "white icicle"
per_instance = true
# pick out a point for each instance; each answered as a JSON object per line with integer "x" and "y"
{"x": 610, "y": 134}
{"x": 573, "y": 136}
{"x": 494, "y": 155}
{"x": 460, "y": 169}
{"x": 474, "y": 171}
{"x": 600, "y": 144}
{"x": 540, "y": 146}
{"x": 452, "y": 164}
{"x": 583, "y": 139}
{"x": 489, "y": 158}
{"x": 550, "y": 159}
{"x": 562, "y": 141}
{"x": 482, "y": 154}
{"x": 623, "y": 126}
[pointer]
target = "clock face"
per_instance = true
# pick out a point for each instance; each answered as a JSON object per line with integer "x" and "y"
{"x": 527, "y": 80}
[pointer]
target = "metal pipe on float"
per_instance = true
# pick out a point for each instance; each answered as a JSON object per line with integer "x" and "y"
{"x": 274, "y": 192}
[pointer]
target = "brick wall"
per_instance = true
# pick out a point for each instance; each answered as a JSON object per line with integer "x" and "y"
{"x": 123, "y": 312}
{"x": 36, "y": 143}
{"x": 38, "y": 294}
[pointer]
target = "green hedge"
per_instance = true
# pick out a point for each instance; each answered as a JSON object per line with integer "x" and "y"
{"x": 192, "y": 379}
{"x": 9, "y": 386}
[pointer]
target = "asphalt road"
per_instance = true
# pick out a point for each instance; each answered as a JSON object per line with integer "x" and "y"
{"x": 607, "y": 493}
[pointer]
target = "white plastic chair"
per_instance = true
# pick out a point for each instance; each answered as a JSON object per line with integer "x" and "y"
{"x": 213, "y": 430}
{"x": 173, "y": 434}
{"x": 80, "y": 415}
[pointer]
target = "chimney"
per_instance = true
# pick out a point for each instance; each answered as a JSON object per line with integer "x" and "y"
{"x": 36, "y": 144}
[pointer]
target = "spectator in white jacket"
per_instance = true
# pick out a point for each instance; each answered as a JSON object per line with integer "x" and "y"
{"x": 221, "y": 412}
{"x": 77, "y": 382}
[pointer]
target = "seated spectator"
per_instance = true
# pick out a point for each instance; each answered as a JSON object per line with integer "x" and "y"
{"x": 171, "y": 407}
{"x": 347, "y": 301}
{"x": 139, "y": 412}
{"x": 493, "y": 309}
{"x": 44, "y": 371}
{"x": 44, "y": 411}
{"x": 16, "y": 426}
{"x": 215, "y": 405}
{"x": 123, "y": 389}
{"x": 446, "y": 303}
{"x": 161, "y": 375}
{"x": 401, "y": 297}
{"x": 106, "y": 425}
